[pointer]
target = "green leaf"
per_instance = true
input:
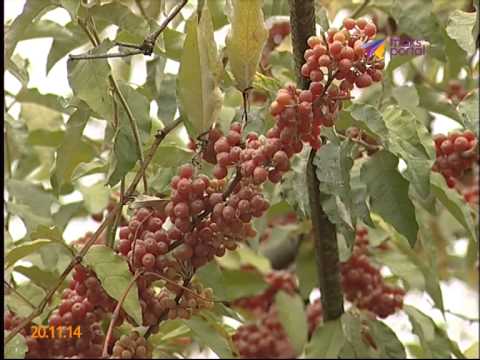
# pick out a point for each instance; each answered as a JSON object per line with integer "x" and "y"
{"x": 472, "y": 351}
{"x": 71, "y": 6}
{"x": 72, "y": 38}
{"x": 31, "y": 219}
{"x": 44, "y": 279}
{"x": 404, "y": 141}
{"x": 115, "y": 276}
{"x": 352, "y": 330}
{"x": 167, "y": 99}
{"x": 199, "y": 96}
{"x": 369, "y": 119}
{"x": 454, "y": 203}
{"x": 217, "y": 8}
{"x": 174, "y": 42}
{"x": 389, "y": 346}
{"x": 333, "y": 163}
{"x": 436, "y": 102}
{"x": 321, "y": 16}
{"x": 42, "y": 137}
{"x": 402, "y": 266}
{"x": 388, "y": 192}
{"x": 21, "y": 24}
{"x": 207, "y": 335}
{"x": 73, "y": 150}
{"x": 125, "y": 148}
{"x": 172, "y": 156}
{"x": 468, "y": 109}
{"x": 417, "y": 20}
{"x": 89, "y": 81}
{"x": 29, "y": 291}
{"x": 460, "y": 27}
{"x": 244, "y": 43}
{"x": 121, "y": 15}
{"x": 33, "y": 196}
{"x": 15, "y": 348}
{"x": 229, "y": 285}
{"x": 326, "y": 342}
{"x": 23, "y": 250}
{"x": 435, "y": 342}
{"x": 32, "y": 95}
{"x": 96, "y": 197}
{"x": 291, "y": 314}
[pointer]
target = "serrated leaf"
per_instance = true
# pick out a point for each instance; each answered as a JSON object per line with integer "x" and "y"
{"x": 23, "y": 250}
{"x": 199, "y": 96}
{"x": 454, "y": 203}
{"x": 89, "y": 81}
{"x": 388, "y": 192}
{"x": 460, "y": 27}
{"x": 115, "y": 276}
{"x": 33, "y": 293}
{"x": 244, "y": 43}
{"x": 73, "y": 150}
{"x": 15, "y": 348}
{"x": 326, "y": 342}
{"x": 404, "y": 141}
{"x": 468, "y": 109}
{"x": 291, "y": 314}
{"x": 206, "y": 334}
{"x": 125, "y": 149}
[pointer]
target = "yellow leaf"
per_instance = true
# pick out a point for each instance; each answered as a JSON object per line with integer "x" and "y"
{"x": 244, "y": 43}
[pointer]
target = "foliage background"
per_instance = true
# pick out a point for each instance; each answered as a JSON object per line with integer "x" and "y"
{"x": 458, "y": 297}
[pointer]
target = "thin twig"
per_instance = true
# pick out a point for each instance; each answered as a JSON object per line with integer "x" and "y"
{"x": 116, "y": 221}
{"x": 146, "y": 48}
{"x": 13, "y": 290}
{"x": 116, "y": 314}
{"x": 8, "y": 159}
{"x": 358, "y": 10}
{"x": 161, "y": 134}
{"x": 95, "y": 40}
{"x": 361, "y": 142}
{"x": 461, "y": 316}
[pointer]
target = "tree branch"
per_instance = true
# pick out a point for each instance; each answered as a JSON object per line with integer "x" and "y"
{"x": 302, "y": 18}
{"x": 116, "y": 314}
{"x": 109, "y": 219}
{"x": 146, "y": 48}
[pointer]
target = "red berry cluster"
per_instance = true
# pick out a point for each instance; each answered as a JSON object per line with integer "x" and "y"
{"x": 363, "y": 283}
{"x": 333, "y": 67}
{"x": 277, "y": 281}
{"x": 456, "y": 92}
{"x": 456, "y": 153}
{"x": 314, "y": 315}
{"x": 131, "y": 346}
{"x": 264, "y": 339}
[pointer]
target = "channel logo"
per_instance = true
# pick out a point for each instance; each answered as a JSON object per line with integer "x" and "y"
{"x": 375, "y": 47}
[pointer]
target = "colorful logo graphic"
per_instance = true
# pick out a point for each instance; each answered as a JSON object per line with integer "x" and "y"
{"x": 375, "y": 47}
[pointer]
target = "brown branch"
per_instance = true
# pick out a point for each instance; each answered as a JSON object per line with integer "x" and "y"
{"x": 302, "y": 18}
{"x": 131, "y": 189}
{"x": 116, "y": 314}
{"x": 146, "y": 48}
